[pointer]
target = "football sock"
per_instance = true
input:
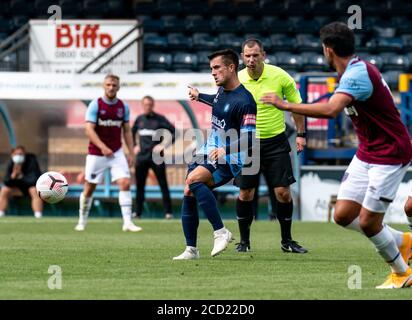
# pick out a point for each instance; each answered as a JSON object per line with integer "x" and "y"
{"x": 244, "y": 211}
{"x": 284, "y": 214}
{"x": 2, "y": 213}
{"x": 190, "y": 220}
{"x": 207, "y": 202}
{"x": 397, "y": 235}
{"x": 85, "y": 205}
{"x": 125, "y": 202}
{"x": 386, "y": 246}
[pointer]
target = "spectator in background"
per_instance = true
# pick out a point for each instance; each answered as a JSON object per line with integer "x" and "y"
{"x": 145, "y": 126}
{"x": 21, "y": 175}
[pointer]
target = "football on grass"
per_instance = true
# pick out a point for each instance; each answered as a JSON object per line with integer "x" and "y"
{"x": 52, "y": 187}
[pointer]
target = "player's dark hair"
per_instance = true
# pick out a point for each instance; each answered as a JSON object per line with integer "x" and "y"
{"x": 19, "y": 148}
{"x": 251, "y": 42}
{"x": 339, "y": 37}
{"x": 148, "y": 98}
{"x": 228, "y": 57}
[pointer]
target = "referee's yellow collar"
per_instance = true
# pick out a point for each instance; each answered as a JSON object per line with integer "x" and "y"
{"x": 264, "y": 74}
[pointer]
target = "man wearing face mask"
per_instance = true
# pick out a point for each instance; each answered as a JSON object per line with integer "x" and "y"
{"x": 22, "y": 173}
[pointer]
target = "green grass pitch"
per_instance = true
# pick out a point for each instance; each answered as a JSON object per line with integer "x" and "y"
{"x": 105, "y": 263}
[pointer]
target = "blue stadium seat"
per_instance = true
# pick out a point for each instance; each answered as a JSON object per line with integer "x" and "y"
{"x": 178, "y": 41}
{"x": 117, "y": 9}
{"x": 313, "y": 62}
{"x": 271, "y": 59}
{"x": 18, "y": 21}
{"x": 204, "y": 41}
{"x": 197, "y": 24}
{"x": 374, "y": 59}
{"x": 402, "y": 24}
{"x": 322, "y": 7}
{"x": 203, "y": 61}
{"x": 392, "y": 78}
{"x": 174, "y": 24}
{"x": 407, "y": 42}
{"x": 280, "y": 41}
{"x": 395, "y": 62}
{"x": 158, "y": 62}
{"x": 184, "y": 62}
{"x": 154, "y": 42}
{"x": 18, "y": 7}
{"x": 272, "y": 8}
{"x": 145, "y": 8}
{"x": 267, "y": 44}
{"x": 307, "y": 42}
{"x": 297, "y": 8}
{"x": 194, "y": 7}
{"x": 70, "y": 8}
{"x": 271, "y": 24}
{"x": 248, "y": 24}
{"x": 5, "y": 25}
{"x": 165, "y": 7}
{"x": 400, "y": 7}
{"x": 389, "y": 45}
{"x": 230, "y": 40}
{"x": 153, "y": 25}
{"x": 95, "y": 8}
{"x": 223, "y": 24}
{"x": 289, "y": 61}
{"x": 384, "y": 31}
{"x": 219, "y": 7}
{"x": 246, "y": 8}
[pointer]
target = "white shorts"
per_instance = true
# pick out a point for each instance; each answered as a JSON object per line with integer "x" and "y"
{"x": 374, "y": 186}
{"x": 96, "y": 165}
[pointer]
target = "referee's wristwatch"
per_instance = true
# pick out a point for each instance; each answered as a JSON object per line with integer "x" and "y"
{"x": 301, "y": 134}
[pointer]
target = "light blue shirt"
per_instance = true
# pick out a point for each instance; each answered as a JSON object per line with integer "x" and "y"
{"x": 355, "y": 81}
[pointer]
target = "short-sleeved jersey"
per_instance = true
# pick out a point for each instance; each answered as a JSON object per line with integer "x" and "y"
{"x": 270, "y": 121}
{"x": 383, "y": 138}
{"x": 231, "y": 110}
{"x": 109, "y": 117}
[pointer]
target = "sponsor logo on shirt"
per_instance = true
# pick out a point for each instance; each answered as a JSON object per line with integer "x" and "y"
{"x": 218, "y": 123}
{"x": 109, "y": 123}
{"x": 351, "y": 111}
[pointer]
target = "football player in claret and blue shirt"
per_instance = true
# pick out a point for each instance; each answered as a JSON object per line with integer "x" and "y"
{"x": 372, "y": 179}
{"x": 223, "y": 155}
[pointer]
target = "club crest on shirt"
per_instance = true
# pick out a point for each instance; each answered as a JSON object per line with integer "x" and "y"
{"x": 226, "y": 108}
{"x": 103, "y": 111}
{"x": 120, "y": 113}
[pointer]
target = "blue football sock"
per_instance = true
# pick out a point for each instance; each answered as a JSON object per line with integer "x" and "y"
{"x": 207, "y": 202}
{"x": 190, "y": 220}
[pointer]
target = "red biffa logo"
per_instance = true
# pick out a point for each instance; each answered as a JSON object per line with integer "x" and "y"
{"x": 81, "y": 36}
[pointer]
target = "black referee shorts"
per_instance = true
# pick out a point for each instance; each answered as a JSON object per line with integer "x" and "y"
{"x": 275, "y": 165}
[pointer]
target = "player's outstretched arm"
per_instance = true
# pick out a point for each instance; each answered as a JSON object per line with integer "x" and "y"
{"x": 195, "y": 95}
{"x": 328, "y": 109}
{"x": 94, "y": 138}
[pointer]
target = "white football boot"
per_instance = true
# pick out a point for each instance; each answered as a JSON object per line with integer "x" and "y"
{"x": 81, "y": 225}
{"x": 222, "y": 239}
{"x": 189, "y": 254}
{"x": 131, "y": 227}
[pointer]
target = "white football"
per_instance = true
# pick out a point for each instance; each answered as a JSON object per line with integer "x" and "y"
{"x": 52, "y": 187}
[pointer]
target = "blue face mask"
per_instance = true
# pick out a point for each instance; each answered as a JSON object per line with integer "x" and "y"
{"x": 18, "y": 158}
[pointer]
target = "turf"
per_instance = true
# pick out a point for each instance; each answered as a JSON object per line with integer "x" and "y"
{"x": 105, "y": 263}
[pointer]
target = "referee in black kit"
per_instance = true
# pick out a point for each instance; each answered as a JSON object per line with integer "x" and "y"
{"x": 145, "y": 126}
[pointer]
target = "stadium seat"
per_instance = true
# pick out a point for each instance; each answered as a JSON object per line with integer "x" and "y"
{"x": 153, "y": 25}
{"x": 313, "y": 62}
{"x": 322, "y": 8}
{"x": 297, "y": 8}
{"x": 374, "y": 59}
{"x": 400, "y": 8}
{"x": 178, "y": 41}
{"x": 229, "y": 40}
{"x": 197, "y": 24}
{"x": 392, "y": 78}
{"x": 219, "y": 7}
{"x": 272, "y": 8}
{"x": 95, "y": 8}
{"x": 395, "y": 62}
{"x": 267, "y": 44}
{"x": 203, "y": 61}
{"x": 389, "y": 44}
{"x": 307, "y": 42}
{"x": 145, "y": 8}
{"x": 194, "y": 7}
{"x": 248, "y": 24}
{"x": 280, "y": 41}
{"x": 18, "y": 7}
{"x": 70, "y": 8}
{"x": 272, "y": 24}
{"x": 165, "y": 7}
{"x": 203, "y": 41}
{"x": 223, "y": 24}
{"x": 271, "y": 59}
{"x": 184, "y": 62}
{"x": 288, "y": 61}
{"x": 246, "y": 8}
{"x": 5, "y": 26}
{"x": 158, "y": 61}
{"x": 402, "y": 24}
{"x": 407, "y": 42}
{"x": 116, "y": 9}
{"x": 384, "y": 31}
{"x": 173, "y": 24}
{"x": 154, "y": 42}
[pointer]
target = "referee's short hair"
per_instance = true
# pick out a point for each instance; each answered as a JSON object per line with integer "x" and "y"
{"x": 251, "y": 42}
{"x": 229, "y": 56}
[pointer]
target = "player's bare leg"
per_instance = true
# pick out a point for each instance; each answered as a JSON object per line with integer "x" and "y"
{"x": 36, "y": 203}
{"x": 125, "y": 202}
{"x": 5, "y": 194}
{"x": 85, "y": 204}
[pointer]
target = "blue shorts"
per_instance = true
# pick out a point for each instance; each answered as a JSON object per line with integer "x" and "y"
{"x": 221, "y": 173}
